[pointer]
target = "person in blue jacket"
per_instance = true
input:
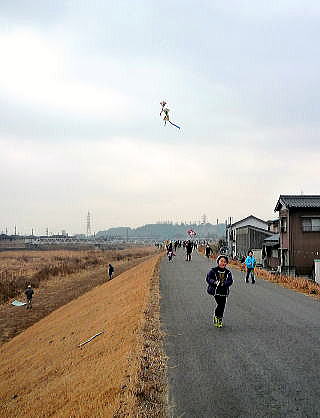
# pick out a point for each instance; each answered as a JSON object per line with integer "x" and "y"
{"x": 250, "y": 264}
{"x": 219, "y": 280}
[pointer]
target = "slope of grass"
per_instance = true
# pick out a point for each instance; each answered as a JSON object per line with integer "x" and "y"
{"x": 45, "y": 373}
{"x": 56, "y": 292}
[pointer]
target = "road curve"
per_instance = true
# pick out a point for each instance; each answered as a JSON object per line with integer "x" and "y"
{"x": 263, "y": 363}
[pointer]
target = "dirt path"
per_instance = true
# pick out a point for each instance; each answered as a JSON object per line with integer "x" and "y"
{"x": 52, "y": 294}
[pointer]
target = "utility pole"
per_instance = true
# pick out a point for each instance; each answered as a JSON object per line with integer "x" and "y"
{"x": 88, "y": 224}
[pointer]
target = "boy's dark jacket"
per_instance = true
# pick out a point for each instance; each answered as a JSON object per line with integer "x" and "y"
{"x": 219, "y": 280}
{"x": 29, "y": 292}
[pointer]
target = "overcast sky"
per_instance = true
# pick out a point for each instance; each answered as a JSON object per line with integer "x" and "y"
{"x": 80, "y": 86}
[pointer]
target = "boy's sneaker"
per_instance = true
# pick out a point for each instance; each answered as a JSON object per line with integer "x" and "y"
{"x": 217, "y": 322}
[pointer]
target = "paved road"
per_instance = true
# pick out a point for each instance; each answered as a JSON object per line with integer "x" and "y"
{"x": 263, "y": 363}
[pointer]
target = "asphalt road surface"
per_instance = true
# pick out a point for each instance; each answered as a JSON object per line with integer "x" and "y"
{"x": 265, "y": 362}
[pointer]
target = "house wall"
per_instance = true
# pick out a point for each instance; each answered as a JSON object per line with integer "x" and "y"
{"x": 284, "y": 236}
{"x": 304, "y": 246}
{"x": 249, "y": 238}
{"x": 232, "y": 231}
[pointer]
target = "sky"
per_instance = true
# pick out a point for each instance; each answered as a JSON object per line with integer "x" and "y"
{"x": 80, "y": 130}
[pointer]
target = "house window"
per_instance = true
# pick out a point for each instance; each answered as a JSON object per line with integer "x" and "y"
{"x": 311, "y": 224}
{"x": 283, "y": 224}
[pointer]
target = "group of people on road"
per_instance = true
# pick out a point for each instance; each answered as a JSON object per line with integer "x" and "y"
{"x": 219, "y": 280}
{"x": 189, "y": 246}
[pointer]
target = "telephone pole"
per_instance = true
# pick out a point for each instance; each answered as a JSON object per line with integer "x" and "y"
{"x": 88, "y": 224}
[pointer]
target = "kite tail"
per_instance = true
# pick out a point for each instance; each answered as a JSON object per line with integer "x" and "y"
{"x": 174, "y": 124}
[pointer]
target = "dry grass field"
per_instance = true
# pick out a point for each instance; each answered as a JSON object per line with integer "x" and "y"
{"x": 19, "y": 268}
{"x": 55, "y": 291}
{"x": 43, "y": 372}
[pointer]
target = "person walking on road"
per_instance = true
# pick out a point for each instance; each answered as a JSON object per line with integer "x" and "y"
{"x": 208, "y": 251}
{"x": 219, "y": 280}
{"x": 110, "y": 271}
{"x": 189, "y": 248}
{"x": 170, "y": 255}
{"x": 29, "y": 293}
{"x": 250, "y": 264}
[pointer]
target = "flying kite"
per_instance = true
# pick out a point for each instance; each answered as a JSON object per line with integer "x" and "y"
{"x": 166, "y": 111}
{"x": 191, "y": 233}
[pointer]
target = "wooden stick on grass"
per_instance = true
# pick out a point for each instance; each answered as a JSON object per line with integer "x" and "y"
{"x": 90, "y": 339}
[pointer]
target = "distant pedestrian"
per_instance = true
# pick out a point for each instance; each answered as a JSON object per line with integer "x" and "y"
{"x": 219, "y": 280}
{"x": 29, "y": 293}
{"x": 170, "y": 255}
{"x": 208, "y": 251}
{"x": 110, "y": 271}
{"x": 250, "y": 264}
{"x": 189, "y": 248}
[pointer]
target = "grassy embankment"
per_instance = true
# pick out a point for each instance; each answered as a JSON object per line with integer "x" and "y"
{"x": 75, "y": 273}
{"x": 298, "y": 284}
{"x": 119, "y": 373}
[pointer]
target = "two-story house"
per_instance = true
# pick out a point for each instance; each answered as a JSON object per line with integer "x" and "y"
{"x": 299, "y": 233}
{"x": 246, "y": 234}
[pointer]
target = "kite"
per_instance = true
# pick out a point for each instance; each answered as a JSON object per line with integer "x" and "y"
{"x": 166, "y": 111}
{"x": 191, "y": 233}
{"x": 18, "y": 303}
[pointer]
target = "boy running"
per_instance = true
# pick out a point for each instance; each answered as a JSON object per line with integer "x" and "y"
{"x": 219, "y": 280}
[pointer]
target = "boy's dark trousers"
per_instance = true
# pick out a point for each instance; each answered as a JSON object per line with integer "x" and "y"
{"x": 221, "y": 303}
{"x": 250, "y": 271}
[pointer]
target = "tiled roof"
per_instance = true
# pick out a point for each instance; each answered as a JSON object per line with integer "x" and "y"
{"x": 274, "y": 237}
{"x": 298, "y": 201}
{"x": 247, "y": 218}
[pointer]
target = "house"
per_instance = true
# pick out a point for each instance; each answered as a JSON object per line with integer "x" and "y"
{"x": 246, "y": 234}
{"x": 251, "y": 238}
{"x": 270, "y": 247}
{"x": 299, "y": 233}
{"x": 271, "y": 252}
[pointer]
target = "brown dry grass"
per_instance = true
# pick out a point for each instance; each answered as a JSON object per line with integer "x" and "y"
{"x": 149, "y": 386}
{"x": 54, "y": 293}
{"x": 44, "y": 373}
{"x": 19, "y": 268}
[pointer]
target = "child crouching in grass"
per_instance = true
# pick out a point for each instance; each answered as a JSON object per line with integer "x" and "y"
{"x": 219, "y": 280}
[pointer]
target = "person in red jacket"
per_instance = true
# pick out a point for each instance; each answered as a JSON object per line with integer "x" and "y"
{"x": 219, "y": 280}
